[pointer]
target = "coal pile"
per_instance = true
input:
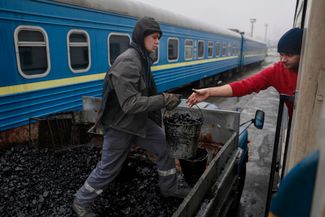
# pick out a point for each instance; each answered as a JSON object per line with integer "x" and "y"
{"x": 40, "y": 182}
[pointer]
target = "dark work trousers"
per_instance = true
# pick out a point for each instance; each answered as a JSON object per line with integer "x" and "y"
{"x": 115, "y": 150}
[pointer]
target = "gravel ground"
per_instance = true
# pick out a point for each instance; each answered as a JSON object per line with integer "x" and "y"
{"x": 40, "y": 182}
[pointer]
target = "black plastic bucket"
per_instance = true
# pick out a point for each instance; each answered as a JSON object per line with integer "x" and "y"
{"x": 182, "y": 129}
{"x": 193, "y": 168}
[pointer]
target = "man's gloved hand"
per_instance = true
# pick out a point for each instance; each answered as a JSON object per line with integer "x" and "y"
{"x": 171, "y": 100}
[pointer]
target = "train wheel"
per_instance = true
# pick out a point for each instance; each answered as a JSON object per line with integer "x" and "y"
{"x": 227, "y": 75}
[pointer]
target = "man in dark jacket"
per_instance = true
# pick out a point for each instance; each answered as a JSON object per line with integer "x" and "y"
{"x": 130, "y": 114}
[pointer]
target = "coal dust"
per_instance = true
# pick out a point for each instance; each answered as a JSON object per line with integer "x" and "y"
{"x": 41, "y": 182}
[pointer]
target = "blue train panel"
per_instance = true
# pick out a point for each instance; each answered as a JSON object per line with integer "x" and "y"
{"x": 253, "y": 51}
{"x": 51, "y": 61}
{"x": 182, "y": 74}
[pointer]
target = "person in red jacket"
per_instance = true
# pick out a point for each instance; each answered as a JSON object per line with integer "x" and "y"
{"x": 281, "y": 75}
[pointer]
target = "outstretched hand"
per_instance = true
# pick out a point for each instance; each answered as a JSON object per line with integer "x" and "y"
{"x": 197, "y": 96}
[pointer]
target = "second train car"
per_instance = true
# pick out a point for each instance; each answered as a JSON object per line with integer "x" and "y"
{"x": 55, "y": 52}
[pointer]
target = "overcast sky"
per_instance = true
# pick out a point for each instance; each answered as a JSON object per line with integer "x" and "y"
{"x": 278, "y": 14}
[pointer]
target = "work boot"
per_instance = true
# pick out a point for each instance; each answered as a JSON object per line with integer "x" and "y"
{"x": 82, "y": 211}
{"x": 177, "y": 191}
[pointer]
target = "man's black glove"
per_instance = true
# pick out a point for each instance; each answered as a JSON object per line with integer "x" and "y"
{"x": 171, "y": 100}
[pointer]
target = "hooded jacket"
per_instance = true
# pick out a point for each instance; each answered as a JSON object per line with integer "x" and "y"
{"x": 129, "y": 95}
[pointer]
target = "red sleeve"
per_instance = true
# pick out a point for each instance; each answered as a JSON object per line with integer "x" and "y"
{"x": 254, "y": 83}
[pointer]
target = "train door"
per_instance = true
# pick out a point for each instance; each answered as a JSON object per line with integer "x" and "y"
{"x": 308, "y": 123}
{"x": 309, "y": 116}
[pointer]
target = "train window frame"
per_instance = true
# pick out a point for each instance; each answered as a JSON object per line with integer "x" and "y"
{"x": 186, "y": 46}
{"x": 229, "y": 49}
{"x": 224, "y": 49}
{"x": 218, "y": 49}
{"x": 172, "y": 60}
{"x": 198, "y": 49}
{"x": 78, "y": 45}
{"x": 38, "y": 44}
{"x": 109, "y": 47}
{"x": 195, "y": 50}
{"x": 210, "y": 47}
{"x": 158, "y": 55}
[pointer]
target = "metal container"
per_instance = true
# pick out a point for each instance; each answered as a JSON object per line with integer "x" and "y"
{"x": 182, "y": 129}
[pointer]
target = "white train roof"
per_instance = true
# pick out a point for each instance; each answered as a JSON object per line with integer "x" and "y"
{"x": 140, "y": 9}
{"x": 247, "y": 37}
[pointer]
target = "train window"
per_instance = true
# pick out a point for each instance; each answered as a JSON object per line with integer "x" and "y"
{"x": 217, "y": 49}
{"x": 118, "y": 43}
{"x": 32, "y": 51}
{"x": 78, "y": 50}
{"x": 229, "y": 49}
{"x": 210, "y": 49}
{"x": 200, "y": 53}
{"x": 172, "y": 49}
{"x": 224, "y": 49}
{"x": 155, "y": 56}
{"x": 188, "y": 49}
{"x": 235, "y": 51}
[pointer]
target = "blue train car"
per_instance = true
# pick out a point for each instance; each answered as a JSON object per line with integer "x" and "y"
{"x": 55, "y": 52}
{"x": 253, "y": 51}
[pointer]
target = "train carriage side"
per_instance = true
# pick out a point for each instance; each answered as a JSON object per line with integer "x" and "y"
{"x": 254, "y": 51}
{"x": 51, "y": 61}
{"x": 188, "y": 55}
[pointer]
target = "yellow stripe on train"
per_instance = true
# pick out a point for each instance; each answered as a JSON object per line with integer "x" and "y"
{"x": 14, "y": 89}
{"x": 20, "y": 88}
{"x": 189, "y": 63}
